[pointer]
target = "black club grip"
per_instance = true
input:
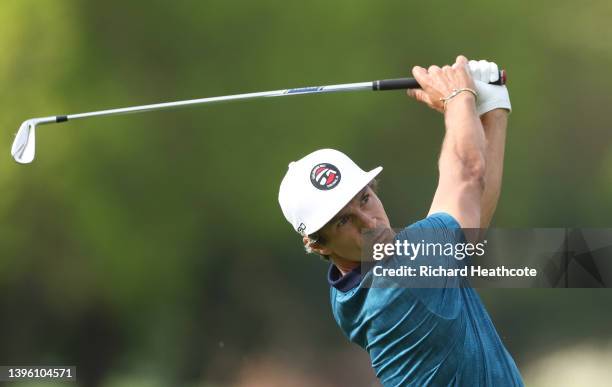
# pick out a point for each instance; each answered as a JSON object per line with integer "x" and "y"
{"x": 411, "y": 83}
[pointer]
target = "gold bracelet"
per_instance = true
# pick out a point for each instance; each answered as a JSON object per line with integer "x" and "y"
{"x": 456, "y": 93}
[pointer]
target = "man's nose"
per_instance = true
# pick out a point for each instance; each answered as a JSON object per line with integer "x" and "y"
{"x": 367, "y": 221}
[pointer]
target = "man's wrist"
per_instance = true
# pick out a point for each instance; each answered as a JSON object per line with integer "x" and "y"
{"x": 495, "y": 113}
{"x": 462, "y": 101}
{"x": 496, "y": 119}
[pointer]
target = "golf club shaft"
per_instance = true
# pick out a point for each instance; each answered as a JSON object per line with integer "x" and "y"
{"x": 380, "y": 85}
{"x": 225, "y": 98}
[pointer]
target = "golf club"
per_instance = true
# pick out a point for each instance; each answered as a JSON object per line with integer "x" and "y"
{"x": 24, "y": 145}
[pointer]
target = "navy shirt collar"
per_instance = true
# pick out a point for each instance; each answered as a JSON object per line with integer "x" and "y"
{"x": 346, "y": 282}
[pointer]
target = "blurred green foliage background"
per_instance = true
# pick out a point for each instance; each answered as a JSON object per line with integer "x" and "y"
{"x": 150, "y": 250}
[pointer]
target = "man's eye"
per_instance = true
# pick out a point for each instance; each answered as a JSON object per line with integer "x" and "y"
{"x": 365, "y": 198}
{"x": 343, "y": 220}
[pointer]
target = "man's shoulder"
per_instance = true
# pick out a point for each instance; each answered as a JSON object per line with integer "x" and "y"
{"x": 442, "y": 220}
{"x": 437, "y": 227}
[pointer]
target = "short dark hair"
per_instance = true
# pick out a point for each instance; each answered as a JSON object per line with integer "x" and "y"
{"x": 317, "y": 237}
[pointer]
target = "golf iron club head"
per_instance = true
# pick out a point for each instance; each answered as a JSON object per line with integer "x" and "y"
{"x": 24, "y": 145}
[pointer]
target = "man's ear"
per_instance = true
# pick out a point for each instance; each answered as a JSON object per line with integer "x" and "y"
{"x": 315, "y": 246}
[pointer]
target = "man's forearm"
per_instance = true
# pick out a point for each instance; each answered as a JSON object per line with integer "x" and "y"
{"x": 464, "y": 136}
{"x": 462, "y": 165}
{"x": 494, "y": 123}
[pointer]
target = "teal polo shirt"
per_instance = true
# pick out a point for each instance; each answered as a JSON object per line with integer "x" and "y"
{"x": 438, "y": 336}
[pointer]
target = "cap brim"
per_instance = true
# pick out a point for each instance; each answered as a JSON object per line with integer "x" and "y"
{"x": 348, "y": 196}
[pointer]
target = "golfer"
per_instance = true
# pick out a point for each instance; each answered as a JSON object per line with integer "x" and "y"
{"x": 414, "y": 336}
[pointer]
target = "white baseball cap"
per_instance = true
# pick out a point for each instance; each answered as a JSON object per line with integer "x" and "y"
{"x": 316, "y": 187}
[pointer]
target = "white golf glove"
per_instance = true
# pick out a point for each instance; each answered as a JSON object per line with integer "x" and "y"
{"x": 489, "y": 96}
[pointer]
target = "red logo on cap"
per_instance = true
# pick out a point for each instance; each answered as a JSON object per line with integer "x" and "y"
{"x": 324, "y": 176}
